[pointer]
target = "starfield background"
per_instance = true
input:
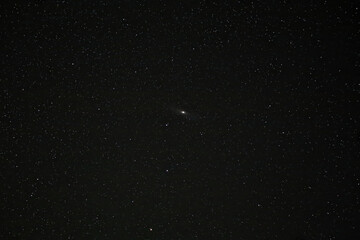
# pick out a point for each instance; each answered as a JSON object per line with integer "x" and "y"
{"x": 179, "y": 120}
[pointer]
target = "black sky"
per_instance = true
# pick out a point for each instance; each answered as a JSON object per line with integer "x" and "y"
{"x": 94, "y": 145}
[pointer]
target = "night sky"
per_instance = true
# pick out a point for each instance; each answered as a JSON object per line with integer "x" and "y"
{"x": 137, "y": 120}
